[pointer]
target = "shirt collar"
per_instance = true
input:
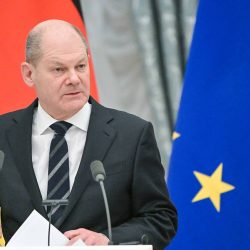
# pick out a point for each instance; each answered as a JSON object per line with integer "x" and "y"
{"x": 79, "y": 120}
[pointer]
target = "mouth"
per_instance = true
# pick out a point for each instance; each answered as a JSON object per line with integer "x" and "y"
{"x": 73, "y": 93}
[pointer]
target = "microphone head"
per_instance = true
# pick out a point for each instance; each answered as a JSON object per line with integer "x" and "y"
{"x": 97, "y": 170}
{"x": 144, "y": 240}
{"x": 1, "y": 159}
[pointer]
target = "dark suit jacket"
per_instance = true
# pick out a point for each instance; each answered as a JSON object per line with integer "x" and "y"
{"x": 135, "y": 185}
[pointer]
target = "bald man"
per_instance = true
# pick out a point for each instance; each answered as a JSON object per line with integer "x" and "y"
{"x": 50, "y": 145}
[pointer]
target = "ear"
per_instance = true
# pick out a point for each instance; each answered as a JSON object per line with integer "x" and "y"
{"x": 27, "y": 70}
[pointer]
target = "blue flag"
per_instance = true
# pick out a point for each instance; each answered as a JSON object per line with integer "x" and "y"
{"x": 209, "y": 176}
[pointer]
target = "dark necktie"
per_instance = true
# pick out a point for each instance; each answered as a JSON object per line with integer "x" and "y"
{"x": 58, "y": 171}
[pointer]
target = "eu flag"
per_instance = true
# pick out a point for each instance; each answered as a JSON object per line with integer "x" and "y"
{"x": 209, "y": 177}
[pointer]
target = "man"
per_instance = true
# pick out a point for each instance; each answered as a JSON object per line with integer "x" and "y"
{"x": 57, "y": 66}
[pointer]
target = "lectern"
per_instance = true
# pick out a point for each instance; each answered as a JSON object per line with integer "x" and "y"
{"x": 114, "y": 247}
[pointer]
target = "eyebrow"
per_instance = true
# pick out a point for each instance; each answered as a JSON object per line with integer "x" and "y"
{"x": 85, "y": 59}
{"x": 59, "y": 63}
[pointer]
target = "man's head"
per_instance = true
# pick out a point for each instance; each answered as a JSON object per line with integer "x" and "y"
{"x": 57, "y": 66}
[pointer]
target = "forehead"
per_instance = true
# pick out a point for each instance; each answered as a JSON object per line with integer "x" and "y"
{"x": 59, "y": 45}
{"x": 63, "y": 57}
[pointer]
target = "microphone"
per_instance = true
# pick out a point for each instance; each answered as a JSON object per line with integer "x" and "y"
{"x": 143, "y": 241}
{"x": 1, "y": 159}
{"x": 98, "y": 173}
{"x": 52, "y": 204}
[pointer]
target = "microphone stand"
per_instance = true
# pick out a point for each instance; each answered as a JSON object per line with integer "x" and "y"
{"x": 98, "y": 173}
{"x": 52, "y": 204}
{"x": 107, "y": 211}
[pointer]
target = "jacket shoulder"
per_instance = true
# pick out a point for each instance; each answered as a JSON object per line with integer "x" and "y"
{"x": 8, "y": 118}
{"x": 130, "y": 122}
{"x": 118, "y": 119}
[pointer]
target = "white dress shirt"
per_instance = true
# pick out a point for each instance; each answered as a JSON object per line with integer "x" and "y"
{"x": 42, "y": 135}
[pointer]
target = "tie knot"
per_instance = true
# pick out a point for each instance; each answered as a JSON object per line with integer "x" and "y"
{"x": 61, "y": 127}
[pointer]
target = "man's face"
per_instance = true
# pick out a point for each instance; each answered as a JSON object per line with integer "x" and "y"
{"x": 61, "y": 75}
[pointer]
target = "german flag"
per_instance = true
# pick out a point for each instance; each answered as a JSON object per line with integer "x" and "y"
{"x": 17, "y": 18}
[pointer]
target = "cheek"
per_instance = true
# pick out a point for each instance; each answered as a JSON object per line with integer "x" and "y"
{"x": 48, "y": 90}
{"x": 86, "y": 81}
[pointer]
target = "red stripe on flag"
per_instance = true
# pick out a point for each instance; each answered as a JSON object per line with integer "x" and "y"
{"x": 17, "y": 18}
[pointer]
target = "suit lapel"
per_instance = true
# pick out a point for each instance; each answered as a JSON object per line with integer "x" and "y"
{"x": 19, "y": 138}
{"x": 100, "y": 136}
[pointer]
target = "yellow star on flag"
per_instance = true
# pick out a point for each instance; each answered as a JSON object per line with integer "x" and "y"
{"x": 2, "y": 241}
{"x": 212, "y": 187}
{"x": 175, "y": 135}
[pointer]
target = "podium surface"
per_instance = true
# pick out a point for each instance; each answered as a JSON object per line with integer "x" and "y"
{"x": 114, "y": 247}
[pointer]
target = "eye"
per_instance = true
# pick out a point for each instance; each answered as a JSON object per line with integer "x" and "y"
{"x": 81, "y": 67}
{"x": 59, "y": 69}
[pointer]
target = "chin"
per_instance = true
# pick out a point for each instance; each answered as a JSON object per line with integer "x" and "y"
{"x": 75, "y": 107}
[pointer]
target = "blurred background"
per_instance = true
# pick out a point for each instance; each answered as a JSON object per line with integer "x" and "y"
{"x": 139, "y": 49}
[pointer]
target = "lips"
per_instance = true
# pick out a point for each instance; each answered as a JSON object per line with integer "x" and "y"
{"x": 73, "y": 93}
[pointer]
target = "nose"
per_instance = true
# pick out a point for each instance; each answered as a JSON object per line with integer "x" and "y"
{"x": 73, "y": 77}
